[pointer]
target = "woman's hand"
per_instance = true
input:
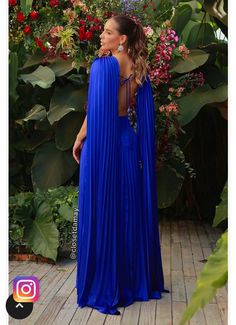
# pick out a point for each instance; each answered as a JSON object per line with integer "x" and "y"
{"x": 77, "y": 148}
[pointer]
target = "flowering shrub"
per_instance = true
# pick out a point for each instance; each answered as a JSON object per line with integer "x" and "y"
{"x": 70, "y": 30}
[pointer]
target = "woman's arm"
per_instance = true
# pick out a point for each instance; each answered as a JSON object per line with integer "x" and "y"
{"x": 78, "y": 144}
{"x": 83, "y": 131}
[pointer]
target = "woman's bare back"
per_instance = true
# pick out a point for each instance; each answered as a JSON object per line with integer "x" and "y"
{"x": 126, "y": 75}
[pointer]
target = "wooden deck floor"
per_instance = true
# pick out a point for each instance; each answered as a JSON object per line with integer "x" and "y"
{"x": 184, "y": 243}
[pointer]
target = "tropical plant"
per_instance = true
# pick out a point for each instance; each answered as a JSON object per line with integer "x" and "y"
{"x": 215, "y": 272}
{"x": 42, "y": 221}
{"x": 52, "y": 45}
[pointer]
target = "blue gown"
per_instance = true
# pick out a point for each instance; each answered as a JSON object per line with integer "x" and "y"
{"x": 118, "y": 247}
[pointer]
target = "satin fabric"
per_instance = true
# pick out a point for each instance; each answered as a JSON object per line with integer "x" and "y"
{"x": 118, "y": 247}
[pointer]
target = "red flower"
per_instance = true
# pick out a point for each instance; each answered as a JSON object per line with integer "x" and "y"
{"x": 38, "y": 41}
{"x": 12, "y": 3}
{"x": 43, "y": 48}
{"x": 82, "y": 22}
{"x": 34, "y": 15}
{"x": 54, "y": 3}
{"x": 64, "y": 56}
{"x": 89, "y": 17}
{"x": 88, "y": 35}
{"x": 27, "y": 29}
{"x": 92, "y": 28}
{"x": 82, "y": 34}
{"x": 96, "y": 20}
{"x": 20, "y": 17}
{"x": 97, "y": 27}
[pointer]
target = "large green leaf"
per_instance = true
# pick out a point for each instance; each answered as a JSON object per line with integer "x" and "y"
{"x": 51, "y": 167}
{"x": 169, "y": 182}
{"x": 213, "y": 276}
{"x": 13, "y": 66}
{"x": 195, "y": 59}
{"x": 222, "y": 208}
{"x": 61, "y": 67}
{"x": 33, "y": 59}
{"x": 191, "y": 104}
{"x": 26, "y": 6}
{"x": 181, "y": 17}
{"x": 42, "y": 234}
{"x": 66, "y": 100}
{"x": 38, "y": 112}
{"x": 42, "y": 76}
{"x": 201, "y": 34}
{"x": 67, "y": 129}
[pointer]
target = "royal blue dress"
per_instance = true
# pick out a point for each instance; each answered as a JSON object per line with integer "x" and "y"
{"x": 118, "y": 247}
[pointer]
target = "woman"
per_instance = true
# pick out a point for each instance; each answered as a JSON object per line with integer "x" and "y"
{"x": 119, "y": 258}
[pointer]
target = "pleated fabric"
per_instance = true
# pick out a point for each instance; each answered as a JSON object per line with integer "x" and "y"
{"x": 118, "y": 248}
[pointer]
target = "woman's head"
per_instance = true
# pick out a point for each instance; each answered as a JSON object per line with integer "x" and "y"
{"x": 122, "y": 30}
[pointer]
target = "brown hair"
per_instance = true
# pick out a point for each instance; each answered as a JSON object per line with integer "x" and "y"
{"x": 136, "y": 45}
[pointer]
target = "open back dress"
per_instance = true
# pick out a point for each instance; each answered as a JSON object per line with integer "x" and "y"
{"x": 118, "y": 247}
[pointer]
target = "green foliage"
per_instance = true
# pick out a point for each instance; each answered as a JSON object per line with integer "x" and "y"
{"x": 181, "y": 17}
{"x": 51, "y": 167}
{"x": 49, "y": 82}
{"x": 42, "y": 76}
{"x": 196, "y": 58}
{"x": 191, "y": 104}
{"x": 213, "y": 276}
{"x": 222, "y": 208}
{"x": 13, "y": 60}
{"x": 215, "y": 272}
{"x": 42, "y": 221}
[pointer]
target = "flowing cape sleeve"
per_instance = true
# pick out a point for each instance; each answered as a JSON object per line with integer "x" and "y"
{"x": 146, "y": 140}
{"x": 99, "y": 207}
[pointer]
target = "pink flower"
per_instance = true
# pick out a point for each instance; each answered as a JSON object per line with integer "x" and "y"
{"x": 54, "y": 31}
{"x": 148, "y": 31}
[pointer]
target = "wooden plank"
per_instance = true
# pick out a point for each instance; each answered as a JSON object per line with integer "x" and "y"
{"x": 165, "y": 236}
{"x": 50, "y": 284}
{"x": 197, "y": 258}
{"x": 147, "y": 312}
{"x": 176, "y": 257}
{"x": 187, "y": 260}
{"x": 212, "y": 314}
{"x": 166, "y": 262}
{"x": 184, "y": 233}
{"x": 178, "y": 287}
{"x": 131, "y": 314}
{"x": 222, "y": 302}
{"x": 68, "y": 310}
{"x": 202, "y": 235}
{"x": 193, "y": 233}
{"x": 81, "y": 316}
{"x": 116, "y": 319}
{"x": 24, "y": 269}
{"x": 163, "y": 310}
{"x": 175, "y": 238}
{"x": 97, "y": 318}
{"x": 57, "y": 301}
{"x": 178, "y": 309}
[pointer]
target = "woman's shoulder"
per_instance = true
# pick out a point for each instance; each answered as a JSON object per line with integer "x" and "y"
{"x": 104, "y": 62}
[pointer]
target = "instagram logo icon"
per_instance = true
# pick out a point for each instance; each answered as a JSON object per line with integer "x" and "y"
{"x": 25, "y": 288}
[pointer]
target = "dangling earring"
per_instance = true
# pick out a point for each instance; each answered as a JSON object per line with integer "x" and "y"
{"x": 120, "y": 48}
